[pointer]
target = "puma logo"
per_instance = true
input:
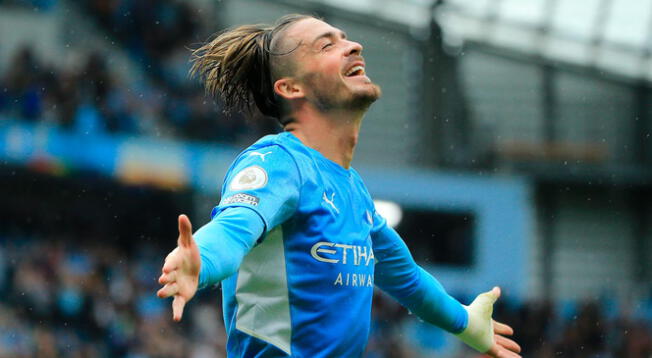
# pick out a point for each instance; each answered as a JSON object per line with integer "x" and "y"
{"x": 330, "y": 202}
{"x": 261, "y": 155}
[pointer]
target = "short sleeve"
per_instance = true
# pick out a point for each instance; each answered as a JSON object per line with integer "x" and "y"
{"x": 265, "y": 180}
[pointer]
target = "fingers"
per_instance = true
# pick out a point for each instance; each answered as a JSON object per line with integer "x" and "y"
{"x": 495, "y": 292}
{"x": 487, "y": 300}
{"x": 499, "y": 352}
{"x": 166, "y": 278}
{"x": 492, "y": 296}
{"x": 508, "y": 354}
{"x": 507, "y": 343}
{"x": 177, "y": 307}
{"x": 185, "y": 231}
{"x": 170, "y": 265}
{"x": 171, "y": 261}
{"x": 177, "y": 304}
{"x": 171, "y": 254}
{"x": 503, "y": 329}
{"x": 168, "y": 290}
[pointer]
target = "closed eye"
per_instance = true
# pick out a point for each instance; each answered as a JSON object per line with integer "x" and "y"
{"x": 327, "y": 45}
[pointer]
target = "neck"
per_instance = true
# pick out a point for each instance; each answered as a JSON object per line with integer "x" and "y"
{"x": 333, "y": 134}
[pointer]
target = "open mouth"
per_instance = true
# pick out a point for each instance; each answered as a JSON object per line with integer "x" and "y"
{"x": 357, "y": 70}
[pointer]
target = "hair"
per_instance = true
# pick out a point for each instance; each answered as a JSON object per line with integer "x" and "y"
{"x": 240, "y": 66}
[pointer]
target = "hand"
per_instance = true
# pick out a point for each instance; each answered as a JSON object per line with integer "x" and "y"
{"x": 503, "y": 347}
{"x": 181, "y": 270}
{"x": 483, "y": 333}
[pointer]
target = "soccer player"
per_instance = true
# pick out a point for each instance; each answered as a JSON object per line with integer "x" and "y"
{"x": 295, "y": 240}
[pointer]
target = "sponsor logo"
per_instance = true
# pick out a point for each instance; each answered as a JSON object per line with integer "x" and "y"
{"x": 330, "y": 201}
{"x": 260, "y": 155}
{"x": 354, "y": 279}
{"x": 253, "y": 177}
{"x": 350, "y": 255}
{"x": 325, "y": 251}
{"x": 242, "y": 198}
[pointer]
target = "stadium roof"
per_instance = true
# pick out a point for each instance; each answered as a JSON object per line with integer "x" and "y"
{"x": 610, "y": 35}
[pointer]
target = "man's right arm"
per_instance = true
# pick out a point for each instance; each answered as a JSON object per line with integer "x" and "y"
{"x": 260, "y": 192}
{"x": 224, "y": 242}
{"x": 212, "y": 254}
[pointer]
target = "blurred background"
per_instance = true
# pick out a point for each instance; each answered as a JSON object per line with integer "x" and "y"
{"x": 511, "y": 147}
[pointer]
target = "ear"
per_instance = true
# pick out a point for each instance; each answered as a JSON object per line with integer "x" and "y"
{"x": 288, "y": 88}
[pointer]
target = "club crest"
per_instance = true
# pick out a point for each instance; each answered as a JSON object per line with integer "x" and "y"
{"x": 253, "y": 177}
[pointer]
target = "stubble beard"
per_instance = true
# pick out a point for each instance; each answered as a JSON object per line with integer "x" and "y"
{"x": 339, "y": 97}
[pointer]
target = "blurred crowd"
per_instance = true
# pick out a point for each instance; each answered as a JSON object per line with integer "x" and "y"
{"x": 157, "y": 34}
{"x": 590, "y": 328}
{"x": 92, "y": 300}
{"x": 65, "y": 299}
{"x": 91, "y": 97}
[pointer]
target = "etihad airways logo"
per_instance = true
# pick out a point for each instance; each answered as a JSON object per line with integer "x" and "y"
{"x": 325, "y": 251}
{"x": 343, "y": 254}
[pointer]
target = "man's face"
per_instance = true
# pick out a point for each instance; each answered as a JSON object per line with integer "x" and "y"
{"x": 330, "y": 67}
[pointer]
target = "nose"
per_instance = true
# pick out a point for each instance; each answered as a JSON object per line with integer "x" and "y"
{"x": 354, "y": 48}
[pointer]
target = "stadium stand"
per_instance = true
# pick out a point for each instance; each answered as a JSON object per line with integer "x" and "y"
{"x": 91, "y": 100}
{"x": 80, "y": 277}
{"x": 91, "y": 300}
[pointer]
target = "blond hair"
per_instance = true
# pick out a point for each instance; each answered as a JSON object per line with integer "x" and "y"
{"x": 241, "y": 64}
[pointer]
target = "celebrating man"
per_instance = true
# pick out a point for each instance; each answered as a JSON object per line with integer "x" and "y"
{"x": 296, "y": 240}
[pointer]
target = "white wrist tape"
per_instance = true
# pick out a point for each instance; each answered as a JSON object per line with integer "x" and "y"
{"x": 479, "y": 332}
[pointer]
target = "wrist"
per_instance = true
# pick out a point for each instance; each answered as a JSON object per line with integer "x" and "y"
{"x": 479, "y": 333}
{"x": 208, "y": 273}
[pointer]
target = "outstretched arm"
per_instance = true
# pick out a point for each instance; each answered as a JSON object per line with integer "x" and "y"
{"x": 225, "y": 241}
{"x": 397, "y": 274}
{"x": 214, "y": 253}
{"x": 260, "y": 192}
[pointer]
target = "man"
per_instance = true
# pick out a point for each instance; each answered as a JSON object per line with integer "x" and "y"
{"x": 295, "y": 240}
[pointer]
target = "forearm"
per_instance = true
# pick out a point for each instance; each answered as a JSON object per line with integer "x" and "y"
{"x": 434, "y": 305}
{"x": 413, "y": 287}
{"x": 224, "y": 242}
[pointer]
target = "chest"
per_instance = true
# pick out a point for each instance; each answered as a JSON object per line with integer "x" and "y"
{"x": 337, "y": 209}
{"x": 334, "y": 220}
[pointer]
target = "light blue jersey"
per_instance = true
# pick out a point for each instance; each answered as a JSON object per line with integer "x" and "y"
{"x": 305, "y": 289}
{"x": 299, "y": 247}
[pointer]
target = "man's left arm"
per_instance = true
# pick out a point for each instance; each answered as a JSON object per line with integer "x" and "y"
{"x": 397, "y": 274}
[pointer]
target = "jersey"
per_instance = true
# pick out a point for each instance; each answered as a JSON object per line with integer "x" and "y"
{"x": 305, "y": 289}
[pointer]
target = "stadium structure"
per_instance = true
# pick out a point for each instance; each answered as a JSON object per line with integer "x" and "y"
{"x": 512, "y": 146}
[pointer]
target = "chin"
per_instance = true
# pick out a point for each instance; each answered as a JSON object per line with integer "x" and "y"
{"x": 345, "y": 96}
{"x": 375, "y": 91}
{"x": 363, "y": 98}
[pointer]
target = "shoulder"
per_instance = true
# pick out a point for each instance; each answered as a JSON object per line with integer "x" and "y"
{"x": 285, "y": 150}
{"x": 268, "y": 149}
{"x": 268, "y": 156}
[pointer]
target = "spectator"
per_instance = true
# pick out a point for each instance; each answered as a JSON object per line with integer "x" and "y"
{"x": 64, "y": 298}
{"x": 93, "y": 100}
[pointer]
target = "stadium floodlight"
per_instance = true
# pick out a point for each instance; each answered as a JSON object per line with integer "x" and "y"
{"x": 390, "y": 210}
